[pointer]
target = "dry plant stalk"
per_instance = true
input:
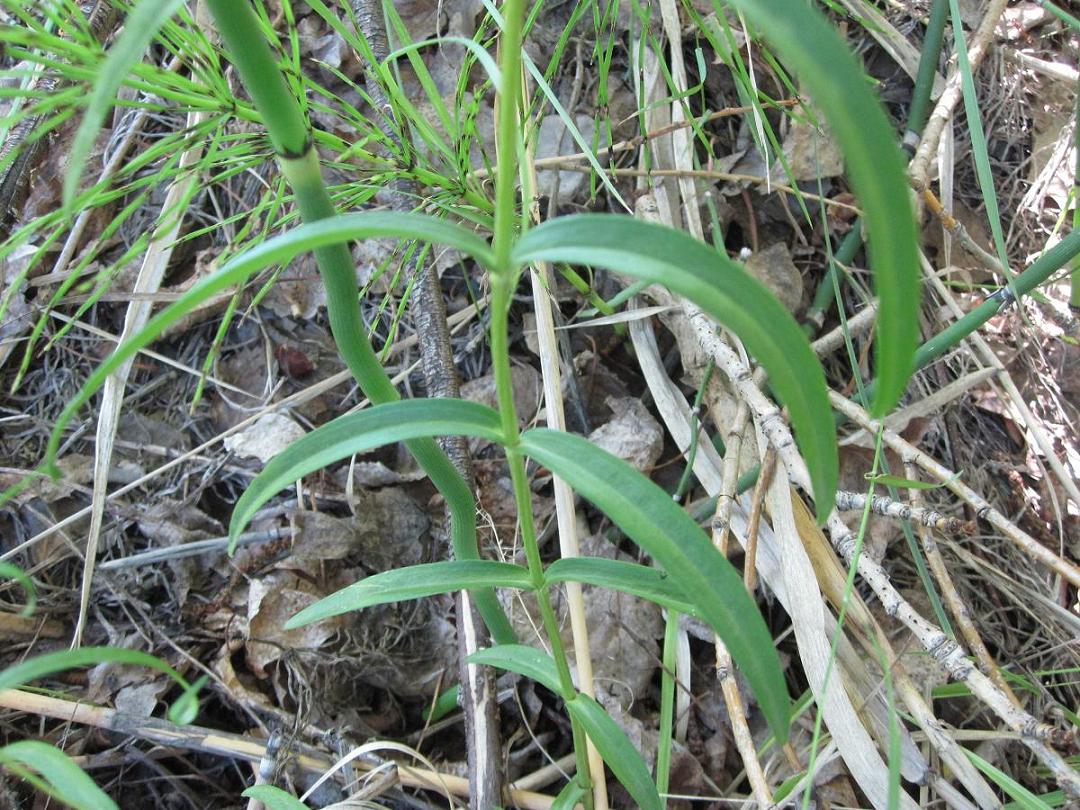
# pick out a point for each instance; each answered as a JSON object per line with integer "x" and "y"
{"x": 941, "y": 648}
{"x": 543, "y": 281}
{"x": 885, "y": 506}
{"x": 682, "y": 153}
{"x": 854, "y": 326}
{"x": 951, "y": 596}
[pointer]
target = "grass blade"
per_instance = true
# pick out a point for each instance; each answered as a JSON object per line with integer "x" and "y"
{"x": 720, "y": 287}
{"x": 568, "y": 797}
{"x": 1023, "y": 797}
{"x": 977, "y": 135}
{"x": 652, "y": 520}
{"x": 414, "y": 582}
{"x": 50, "y": 663}
{"x": 142, "y": 25}
{"x": 359, "y": 433}
{"x": 875, "y": 165}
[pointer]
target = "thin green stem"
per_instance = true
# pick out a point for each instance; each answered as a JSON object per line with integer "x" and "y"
{"x": 251, "y": 55}
{"x": 1045, "y": 266}
{"x": 928, "y": 63}
{"x": 504, "y": 279}
{"x": 667, "y": 704}
{"x": 508, "y": 135}
{"x": 695, "y": 428}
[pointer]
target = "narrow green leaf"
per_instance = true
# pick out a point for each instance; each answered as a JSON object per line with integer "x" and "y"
{"x": 42, "y": 666}
{"x": 726, "y": 292}
{"x": 639, "y": 580}
{"x": 977, "y": 135}
{"x": 445, "y": 703}
{"x": 619, "y": 754}
{"x": 141, "y": 26}
{"x": 63, "y": 778}
{"x": 1055, "y": 798}
{"x": 1021, "y": 795}
{"x": 477, "y": 50}
{"x": 329, "y": 231}
{"x": 358, "y": 433}
{"x": 528, "y": 661}
{"x": 414, "y": 582}
{"x": 569, "y": 796}
{"x": 652, "y": 520}
{"x": 274, "y": 798}
{"x": 875, "y": 165}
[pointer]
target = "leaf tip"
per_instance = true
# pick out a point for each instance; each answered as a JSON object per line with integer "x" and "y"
{"x": 304, "y": 617}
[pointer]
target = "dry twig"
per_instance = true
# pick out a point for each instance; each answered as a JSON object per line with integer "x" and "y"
{"x": 234, "y": 746}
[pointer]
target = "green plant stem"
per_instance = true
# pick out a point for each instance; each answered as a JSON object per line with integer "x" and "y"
{"x": 291, "y": 138}
{"x": 924, "y": 79}
{"x": 504, "y": 278}
{"x": 508, "y": 136}
{"x": 695, "y": 427}
{"x": 1061, "y": 14}
{"x": 666, "y": 727}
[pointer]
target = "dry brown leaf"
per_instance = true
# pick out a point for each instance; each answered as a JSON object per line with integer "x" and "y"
{"x": 774, "y": 268}
{"x": 272, "y": 601}
{"x": 264, "y": 439}
{"x": 633, "y": 434}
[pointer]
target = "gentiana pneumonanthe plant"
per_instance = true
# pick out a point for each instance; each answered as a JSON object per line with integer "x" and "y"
{"x": 690, "y": 575}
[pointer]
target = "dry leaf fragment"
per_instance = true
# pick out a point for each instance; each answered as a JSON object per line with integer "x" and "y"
{"x": 633, "y": 435}
{"x": 265, "y": 438}
{"x": 774, "y": 268}
{"x": 272, "y": 601}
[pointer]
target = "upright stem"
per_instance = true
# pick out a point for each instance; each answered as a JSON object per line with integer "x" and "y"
{"x": 504, "y": 279}
{"x": 291, "y": 138}
{"x": 477, "y": 693}
{"x": 508, "y": 134}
